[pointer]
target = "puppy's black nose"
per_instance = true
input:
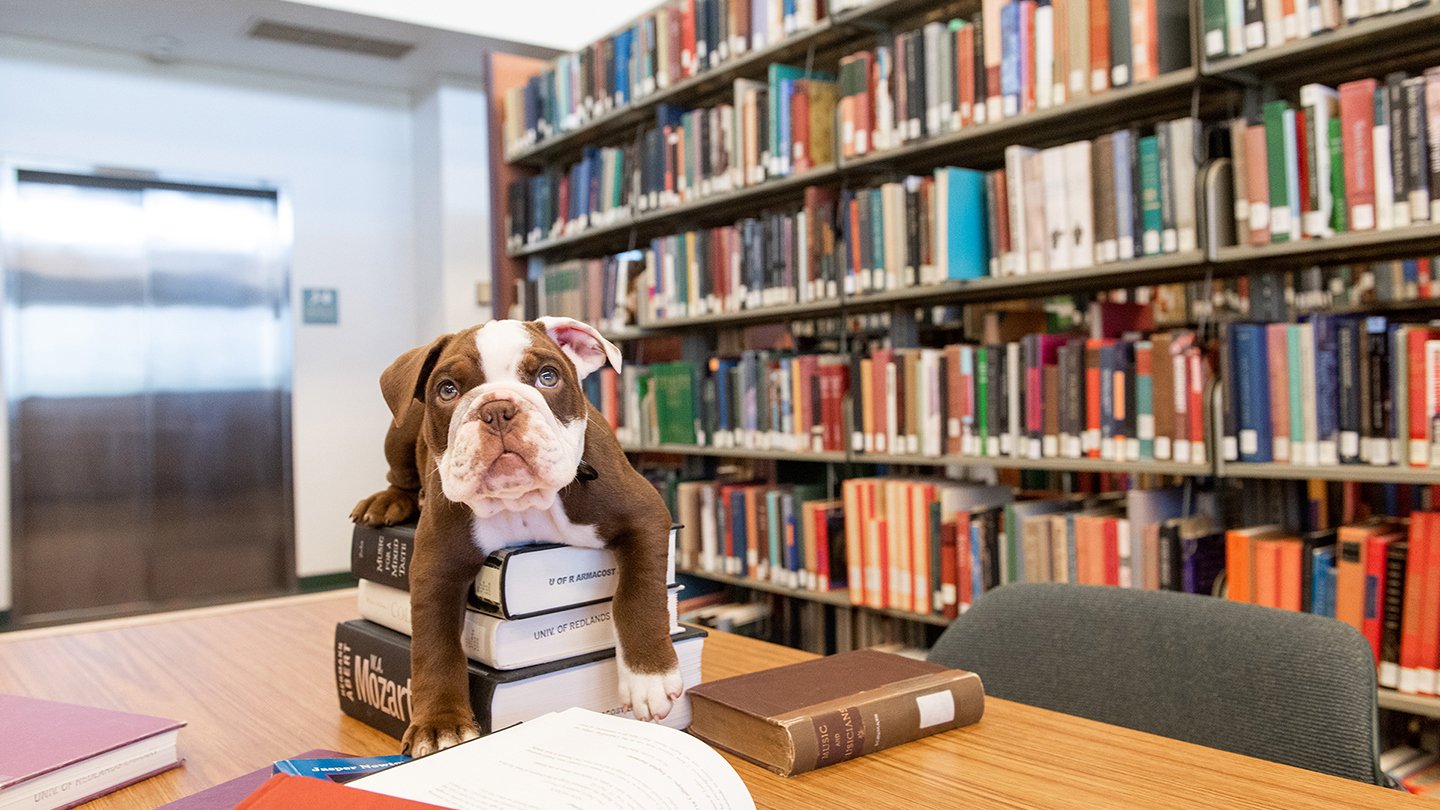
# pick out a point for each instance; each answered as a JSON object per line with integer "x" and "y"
{"x": 497, "y": 414}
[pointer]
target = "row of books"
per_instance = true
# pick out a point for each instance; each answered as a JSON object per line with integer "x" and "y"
{"x": 538, "y": 633}
{"x": 1234, "y": 27}
{"x": 1361, "y": 158}
{"x": 773, "y": 129}
{"x": 1282, "y": 295}
{"x": 601, "y": 292}
{"x": 1042, "y": 396}
{"x": 1380, "y": 576}
{"x": 1122, "y": 196}
{"x": 1009, "y": 59}
{"x": 1333, "y": 389}
{"x": 671, "y": 43}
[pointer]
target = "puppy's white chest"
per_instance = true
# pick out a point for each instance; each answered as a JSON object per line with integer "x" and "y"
{"x": 532, "y": 526}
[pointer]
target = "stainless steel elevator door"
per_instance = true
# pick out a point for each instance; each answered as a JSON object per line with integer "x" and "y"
{"x": 148, "y": 384}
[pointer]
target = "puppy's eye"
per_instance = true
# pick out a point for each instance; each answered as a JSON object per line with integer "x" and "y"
{"x": 547, "y": 378}
{"x": 447, "y": 391}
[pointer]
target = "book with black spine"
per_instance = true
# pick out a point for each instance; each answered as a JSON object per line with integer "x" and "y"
{"x": 372, "y": 678}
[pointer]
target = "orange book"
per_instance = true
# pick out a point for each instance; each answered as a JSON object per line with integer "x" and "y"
{"x": 1145, "y": 50}
{"x": 1240, "y": 561}
{"x": 854, "y": 533}
{"x": 1266, "y": 573}
{"x": 1099, "y": 45}
{"x": 867, "y": 406}
{"x": 1290, "y": 574}
{"x": 1350, "y": 563}
{"x": 923, "y": 530}
{"x": 1429, "y": 663}
{"x": 1419, "y": 415}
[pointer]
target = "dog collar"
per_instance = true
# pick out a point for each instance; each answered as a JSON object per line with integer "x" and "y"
{"x": 585, "y": 472}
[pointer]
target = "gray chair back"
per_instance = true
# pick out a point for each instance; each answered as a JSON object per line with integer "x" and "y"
{"x": 1274, "y": 684}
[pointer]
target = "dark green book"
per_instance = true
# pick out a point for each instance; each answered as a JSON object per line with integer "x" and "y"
{"x": 1150, "y": 195}
{"x": 1280, "y": 225}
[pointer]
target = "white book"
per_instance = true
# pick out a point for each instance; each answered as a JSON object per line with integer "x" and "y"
{"x": 1079, "y": 207}
{"x": 510, "y": 643}
{"x": 1308, "y": 449}
{"x": 538, "y": 763}
{"x": 883, "y": 136}
{"x": 1321, "y": 105}
{"x": 1018, "y": 259}
{"x": 1056, "y": 203}
{"x": 1044, "y": 56}
{"x": 1013, "y": 372}
{"x": 1384, "y": 180}
{"x": 934, "y": 36}
{"x": 1182, "y": 173}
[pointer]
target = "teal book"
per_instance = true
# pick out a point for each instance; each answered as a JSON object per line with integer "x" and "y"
{"x": 774, "y": 532}
{"x": 1293, "y": 347}
{"x": 880, "y": 272}
{"x": 967, "y": 248}
{"x": 1150, "y": 218}
{"x": 779, "y": 124}
{"x": 1215, "y": 28}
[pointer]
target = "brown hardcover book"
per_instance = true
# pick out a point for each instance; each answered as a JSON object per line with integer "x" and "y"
{"x": 823, "y": 96}
{"x": 1162, "y": 370}
{"x": 914, "y": 409}
{"x": 1050, "y": 410}
{"x": 1102, "y": 174}
{"x": 954, "y": 444}
{"x": 800, "y": 717}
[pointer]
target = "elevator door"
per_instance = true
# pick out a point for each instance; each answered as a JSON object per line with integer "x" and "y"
{"x": 147, "y": 356}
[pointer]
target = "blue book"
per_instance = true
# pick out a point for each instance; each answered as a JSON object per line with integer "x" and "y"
{"x": 336, "y": 769}
{"x": 977, "y": 561}
{"x": 1252, "y": 395}
{"x": 967, "y": 239}
{"x": 739, "y": 538}
{"x": 787, "y": 151}
{"x": 791, "y": 533}
{"x": 1322, "y": 581}
{"x": 1010, "y": 59}
{"x": 1109, "y": 362}
{"x": 1201, "y": 561}
{"x": 724, "y": 419}
{"x": 622, "y": 66}
{"x": 1124, "y": 195}
{"x": 1327, "y": 388}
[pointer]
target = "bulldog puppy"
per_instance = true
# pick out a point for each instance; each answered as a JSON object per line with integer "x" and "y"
{"x": 495, "y": 444}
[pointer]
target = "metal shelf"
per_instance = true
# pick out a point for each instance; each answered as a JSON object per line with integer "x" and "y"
{"x": 1352, "y": 246}
{"x": 1338, "y": 472}
{"x": 1051, "y": 464}
{"x": 835, "y": 598}
{"x": 828, "y": 457}
{"x": 1414, "y": 704}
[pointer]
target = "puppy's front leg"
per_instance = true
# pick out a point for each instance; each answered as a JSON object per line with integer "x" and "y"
{"x": 649, "y": 671}
{"x": 440, "y": 577}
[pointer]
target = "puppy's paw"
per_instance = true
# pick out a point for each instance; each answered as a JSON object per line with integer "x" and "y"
{"x": 649, "y": 695}
{"x": 387, "y": 507}
{"x": 423, "y": 738}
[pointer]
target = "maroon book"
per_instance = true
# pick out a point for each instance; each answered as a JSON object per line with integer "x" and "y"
{"x": 68, "y": 754}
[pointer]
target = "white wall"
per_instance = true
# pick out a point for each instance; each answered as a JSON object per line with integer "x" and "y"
{"x": 342, "y": 154}
{"x": 565, "y": 24}
{"x": 452, "y": 206}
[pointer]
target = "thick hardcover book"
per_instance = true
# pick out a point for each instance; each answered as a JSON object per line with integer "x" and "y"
{"x": 59, "y": 754}
{"x": 513, "y": 643}
{"x": 372, "y": 678}
{"x": 515, "y": 583}
{"x": 800, "y": 717}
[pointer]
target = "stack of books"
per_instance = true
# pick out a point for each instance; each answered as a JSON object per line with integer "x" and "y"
{"x": 538, "y": 631}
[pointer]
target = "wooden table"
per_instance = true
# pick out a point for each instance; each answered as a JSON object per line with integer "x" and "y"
{"x": 255, "y": 682}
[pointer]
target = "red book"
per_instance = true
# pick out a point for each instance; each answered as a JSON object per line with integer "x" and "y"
{"x": 820, "y": 525}
{"x": 1357, "y": 125}
{"x": 965, "y": 73}
{"x": 949, "y": 573}
{"x": 1099, "y": 46}
{"x": 1375, "y": 551}
{"x": 1111, "y": 539}
{"x": 1196, "y": 414}
{"x": 1415, "y": 592}
{"x": 285, "y": 792}
{"x": 49, "y": 749}
{"x": 1257, "y": 184}
{"x": 1429, "y": 661}
{"x": 226, "y": 795}
{"x": 689, "y": 60}
{"x": 865, "y": 104}
{"x": 800, "y": 128}
{"x": 1419, "y": 416}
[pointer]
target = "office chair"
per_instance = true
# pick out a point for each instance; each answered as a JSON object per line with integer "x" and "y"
{"x": 1274, "y": 684}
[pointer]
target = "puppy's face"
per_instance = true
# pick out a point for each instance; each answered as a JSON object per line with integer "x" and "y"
{"x": 505, "y": 416}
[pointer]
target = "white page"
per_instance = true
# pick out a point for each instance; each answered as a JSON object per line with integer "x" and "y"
{"x": 575, "y": 758}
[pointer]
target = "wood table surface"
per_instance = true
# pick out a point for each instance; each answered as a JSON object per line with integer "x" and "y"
{"x": 255, "y": 683}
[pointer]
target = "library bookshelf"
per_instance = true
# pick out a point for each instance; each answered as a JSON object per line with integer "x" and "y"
{"x": 1212, "y": 90}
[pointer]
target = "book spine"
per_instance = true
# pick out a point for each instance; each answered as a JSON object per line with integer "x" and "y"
{"x": 926, "y": 706}
{"x": 1392, "y": 613}
{"x": 382, "y": 554}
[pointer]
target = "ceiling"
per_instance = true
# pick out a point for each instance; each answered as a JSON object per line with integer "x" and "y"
{"x": 215, "y": 32}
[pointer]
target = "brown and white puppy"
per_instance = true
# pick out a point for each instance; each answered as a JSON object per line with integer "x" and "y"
{"x": 491, "y": 428}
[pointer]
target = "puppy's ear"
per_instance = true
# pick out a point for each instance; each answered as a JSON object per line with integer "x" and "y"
{"x": 403, "y": 383}
{"x": 582, "y": 344}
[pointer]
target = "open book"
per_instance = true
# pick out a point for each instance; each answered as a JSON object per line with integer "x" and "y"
{"x": 574, "y": 758}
